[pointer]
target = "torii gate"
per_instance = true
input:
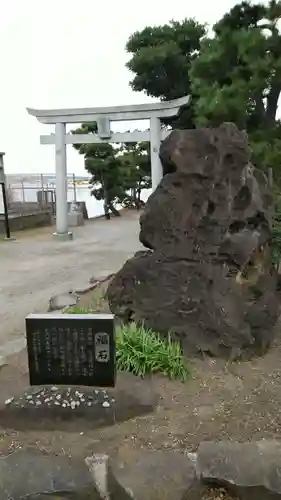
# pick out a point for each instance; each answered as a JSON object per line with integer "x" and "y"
{"x": 103, "y": 116}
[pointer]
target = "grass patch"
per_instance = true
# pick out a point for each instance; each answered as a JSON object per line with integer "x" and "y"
{"x": 79, "y": 310}
{"x": 142, "y": 352}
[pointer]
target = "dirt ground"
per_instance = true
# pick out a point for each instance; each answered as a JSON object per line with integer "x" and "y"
{"x": 236, "y": 401}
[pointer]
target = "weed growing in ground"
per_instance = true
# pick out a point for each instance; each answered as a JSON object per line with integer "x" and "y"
{"x": 78, "y": 310}
{"x": 143, "y": 352}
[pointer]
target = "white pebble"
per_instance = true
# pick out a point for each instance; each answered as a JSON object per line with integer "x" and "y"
{"x": 73, "y": 405}
{"x": 9, "y": 401}
{"x": 46, "y": 400}
{"x": 29, "y": 397}
{"x": 57, "y": 403}
{"x": 113, "y": 400}
{"x": 81, "y": 433}
{"x": 31, "y": 402}
{"x": 58, "y": 397}
{"x": 82, "y": 400}
{"x": 96, "y": 391}
{"x": 38, "y": 403}
{"x": 106, "y": 404}
{"x": 89, "y": 404}
{"x": 54, "y": 388}
{"x": 63, "y": 405}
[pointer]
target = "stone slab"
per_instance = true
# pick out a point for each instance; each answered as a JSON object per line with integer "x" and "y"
{"x": 71, "y": 349}
{"x": 153, "y": 475}
{"x": 145, "y": 475}
{"x": 62, "y": 301}
{"x": 33, "y": 476}
{"x": 249, "y": 470}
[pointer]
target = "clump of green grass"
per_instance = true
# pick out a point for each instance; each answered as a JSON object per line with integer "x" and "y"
{"x": 141, "y": 351}
{"x": 78, "y": 310}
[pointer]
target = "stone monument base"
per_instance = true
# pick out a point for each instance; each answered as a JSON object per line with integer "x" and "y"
{"x": 75, "y": 219}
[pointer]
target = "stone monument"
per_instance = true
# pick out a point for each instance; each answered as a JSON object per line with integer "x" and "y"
{"x": 75, "y": 216}
{"x": 206, "y": 279}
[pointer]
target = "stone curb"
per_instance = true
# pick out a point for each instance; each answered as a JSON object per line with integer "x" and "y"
{"x": 249, "y": 471}
{"x": 145, "y": 474}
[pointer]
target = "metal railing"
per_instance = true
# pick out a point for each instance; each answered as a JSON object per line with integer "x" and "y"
{"x": 29, "y": 193}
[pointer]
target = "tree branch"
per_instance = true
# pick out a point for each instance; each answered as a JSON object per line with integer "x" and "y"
{"x": 272, "y": 102}
{"x": 259, "y": 109}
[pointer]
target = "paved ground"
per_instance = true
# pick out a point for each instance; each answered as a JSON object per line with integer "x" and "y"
{"x": 37, "y": 266}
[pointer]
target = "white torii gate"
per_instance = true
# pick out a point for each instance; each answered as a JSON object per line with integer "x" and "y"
{"x": 103, "y": 116}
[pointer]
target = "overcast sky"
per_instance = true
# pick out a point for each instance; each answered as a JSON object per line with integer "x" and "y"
{"x": 69, "y": 53}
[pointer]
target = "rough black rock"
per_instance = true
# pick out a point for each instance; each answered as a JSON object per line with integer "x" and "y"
{"x": 207, "y": 278}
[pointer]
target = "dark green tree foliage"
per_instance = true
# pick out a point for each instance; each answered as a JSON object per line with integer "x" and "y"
{"x": 232, "y": 75}
{"x": 161, "y": 57}
{"x": 237, "y": 74}
{"x": 135, "y": 158}
{"x": 115, "y": 170}
{"x": 102, "y": 164}
{"x": 237, "y": 77}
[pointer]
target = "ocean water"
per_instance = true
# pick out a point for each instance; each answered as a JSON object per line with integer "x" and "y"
{"x": 28, "y": 193}
{"x": 95, "y": 207}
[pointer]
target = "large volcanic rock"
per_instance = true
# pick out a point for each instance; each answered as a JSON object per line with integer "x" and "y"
{"x": 207, "y": 279}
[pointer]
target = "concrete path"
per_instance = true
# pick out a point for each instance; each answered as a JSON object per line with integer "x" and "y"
{"x": 34, "y": 268}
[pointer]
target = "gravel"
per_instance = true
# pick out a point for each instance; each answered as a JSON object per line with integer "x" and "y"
{"x": 217, "y": 494}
